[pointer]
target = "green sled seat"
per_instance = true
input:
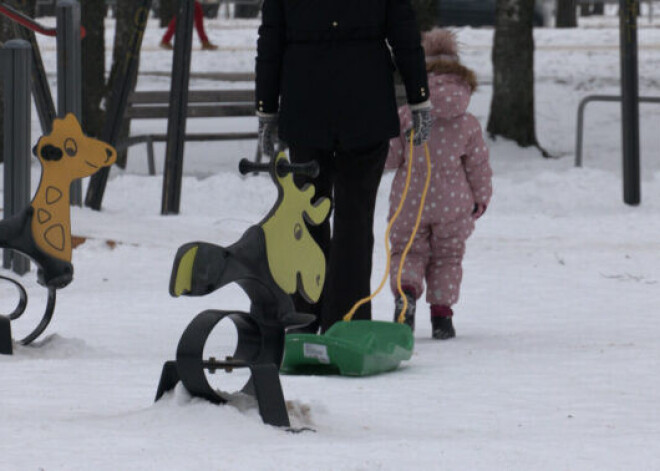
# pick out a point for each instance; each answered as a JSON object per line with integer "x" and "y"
{"x": 355, "y": 348}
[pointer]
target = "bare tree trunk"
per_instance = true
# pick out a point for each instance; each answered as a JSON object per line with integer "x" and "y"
{"x": 7, "y": 33}
{"x": 93, "y": 66}
{"x": 512, "y": 106}
{"x": 566, "y": 14}
{"x": 599, "y": 8}
{"x": 126, "y": 12}
{"x": 426, "y": 13}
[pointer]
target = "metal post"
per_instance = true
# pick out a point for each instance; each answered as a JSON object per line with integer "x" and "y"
{"x": 17, "y": 61}
{"x": 151, "y": 161}
{"x": 69, "y": 70}
{"x": 43, "y": 98}
{"x": 630, "y": 101}
{"x": 118, "y": 102}
{"x": 176, "y": 125}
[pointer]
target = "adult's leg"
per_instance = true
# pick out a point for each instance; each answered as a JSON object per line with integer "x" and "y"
{"x": 356, "y": 179}
{"x": 320, "y": 233}
{"x": 199, "y": 23}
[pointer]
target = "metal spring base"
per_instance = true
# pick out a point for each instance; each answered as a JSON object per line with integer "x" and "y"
{"x": 6, "y": 342}
{"x": 254, "y": 350}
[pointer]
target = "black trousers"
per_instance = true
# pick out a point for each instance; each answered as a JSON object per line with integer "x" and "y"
{"x": 351, "y": 178}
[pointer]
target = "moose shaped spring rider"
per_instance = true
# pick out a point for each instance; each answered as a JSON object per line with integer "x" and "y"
{"x": 42, "y": 231}
{"x": 271, "y": 261}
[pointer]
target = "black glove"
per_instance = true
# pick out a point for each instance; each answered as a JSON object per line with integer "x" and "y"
{"x": 268, "y": 134}
{"x": 421, "y": 118}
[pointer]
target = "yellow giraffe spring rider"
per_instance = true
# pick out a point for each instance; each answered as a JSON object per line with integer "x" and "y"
{"x": 42, "y": 230}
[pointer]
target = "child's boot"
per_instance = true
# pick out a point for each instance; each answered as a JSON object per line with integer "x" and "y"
{"x": 208, "y": 46}
{"x": 441, "y": 322}
{"x": 409, "y": 316}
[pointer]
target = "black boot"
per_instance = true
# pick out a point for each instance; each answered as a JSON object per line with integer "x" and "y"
{"x": 409, "y": 317}
{"x": 441, "y": 322}
{"x": 443, "y": 328}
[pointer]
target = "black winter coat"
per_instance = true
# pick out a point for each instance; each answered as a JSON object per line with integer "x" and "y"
{"x": 325, "y": 66}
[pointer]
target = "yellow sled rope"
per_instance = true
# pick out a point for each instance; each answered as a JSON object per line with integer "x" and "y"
{"x": 351, "y": 313}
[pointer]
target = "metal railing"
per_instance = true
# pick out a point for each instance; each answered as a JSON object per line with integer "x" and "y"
{"x": 580, "y": 118}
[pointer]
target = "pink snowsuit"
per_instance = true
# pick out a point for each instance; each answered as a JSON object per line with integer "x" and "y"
{"x": 460, "y": 177}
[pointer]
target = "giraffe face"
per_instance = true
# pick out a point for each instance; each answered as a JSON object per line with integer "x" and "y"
{"x": 74, "y": 154}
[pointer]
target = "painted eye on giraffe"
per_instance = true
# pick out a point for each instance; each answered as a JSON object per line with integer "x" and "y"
{"x": 51, "y": 153}
{"x": 70, "y": 147}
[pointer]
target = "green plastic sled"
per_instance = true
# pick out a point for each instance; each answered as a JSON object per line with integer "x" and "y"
{"x": 355, "y": 348}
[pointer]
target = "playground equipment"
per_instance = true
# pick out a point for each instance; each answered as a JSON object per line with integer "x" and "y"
{"x": 178, "y": 104}
{"x": 271, "y": 261}
{"x": 42, "y": 230}
{"x": 579, "y": 139}
{"x": 630, "y": 99}
{"x": 118, "y": 101}
{"x": 68, "y": 33}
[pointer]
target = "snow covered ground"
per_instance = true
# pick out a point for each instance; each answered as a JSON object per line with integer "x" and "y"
{"x": 556, "y": 362}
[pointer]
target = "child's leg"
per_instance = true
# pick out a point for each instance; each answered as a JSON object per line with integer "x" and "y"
{"x": 171, "y": 29}
{"x": 199, "y": 23}
{"x": 412, "y": 275}
{"x": 444, "y": 271}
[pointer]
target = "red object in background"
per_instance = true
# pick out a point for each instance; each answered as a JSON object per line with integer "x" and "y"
{"x": 29, "y": 23}
{"x": 199, "y": 26}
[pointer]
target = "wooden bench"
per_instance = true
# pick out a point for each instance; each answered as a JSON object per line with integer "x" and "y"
{"x": 201, "y": 104}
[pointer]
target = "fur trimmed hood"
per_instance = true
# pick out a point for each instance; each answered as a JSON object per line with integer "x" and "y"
{"x": 440, "y": 43}
{"x": 441, "y": 51}
{"x": 443, "y": 67}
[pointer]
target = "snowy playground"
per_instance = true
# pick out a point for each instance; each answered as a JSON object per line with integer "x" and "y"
{"x": 556, "y": 360}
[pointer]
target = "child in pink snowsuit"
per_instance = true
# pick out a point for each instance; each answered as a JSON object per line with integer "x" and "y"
{"x": 459, "y": 192}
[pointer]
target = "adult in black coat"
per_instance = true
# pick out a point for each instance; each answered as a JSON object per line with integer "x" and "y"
{"x": 325, "y": 81}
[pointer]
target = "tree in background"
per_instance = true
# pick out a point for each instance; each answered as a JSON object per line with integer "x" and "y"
{"x": 126, "y": 13}
{"x": 96, "y": 91}
{"x": 7, "y": 32}
{"x": 425, "y": 11}
{"x": 512, "y": 105}
{"x": 566, "y": 14}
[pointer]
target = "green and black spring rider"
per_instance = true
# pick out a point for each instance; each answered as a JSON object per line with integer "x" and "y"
{"x": 270, "y": 262}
